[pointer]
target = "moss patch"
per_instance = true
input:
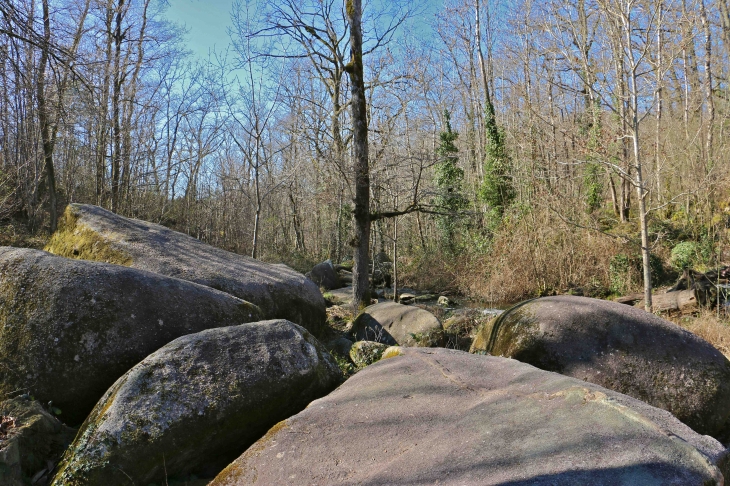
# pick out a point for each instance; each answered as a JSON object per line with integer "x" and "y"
{"x": 76, "y": 240}
{"x": 365, "y": 353}
{"x": 391, "y": 352}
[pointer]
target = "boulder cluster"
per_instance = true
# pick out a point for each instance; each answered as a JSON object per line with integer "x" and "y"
{"x": 133, "y": 354}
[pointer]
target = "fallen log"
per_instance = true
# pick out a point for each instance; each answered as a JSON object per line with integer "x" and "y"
{"x": 630, "y": 299}
{"x": 681, "y": 300}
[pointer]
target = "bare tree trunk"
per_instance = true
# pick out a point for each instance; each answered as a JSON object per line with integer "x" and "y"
{"x": 43, "y": 118}
{"x": 101, "y": 139}
{"x": 659, "y": 103}
{"x": 708, "y": 84}
{"x": 116, "y": 108}
{"x": 641, "y": 192}
{"x": 395, "y": 256}
{"x": 360, "y": 283}
{"x": 257, "y": 189}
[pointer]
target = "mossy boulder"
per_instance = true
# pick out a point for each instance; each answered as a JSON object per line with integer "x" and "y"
{"x": 31, "y": 442}
{"x": 92, "y": 233}
{"x": 440, "y": 416}
{"x": 364, "y": 353}
{"x": 70, "y": 328}
{"x": 622, "y": 348}
{"x": 197, "y": 403}
{"x": 404, "y": 325}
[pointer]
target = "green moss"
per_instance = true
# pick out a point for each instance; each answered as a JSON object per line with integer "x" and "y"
{"x": 76, "y": 240}
{"x": 391, "y": 352}
{"x": 365, "y": 353}
{"x": 506, "y": 330}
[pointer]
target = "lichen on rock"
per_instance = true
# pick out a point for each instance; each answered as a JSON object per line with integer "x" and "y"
{"x": 70, "y": 328}
{"x": 93, "y": 233}
{"x": 197, "y": 403}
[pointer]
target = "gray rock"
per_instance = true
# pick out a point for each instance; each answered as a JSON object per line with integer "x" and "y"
{"x": 382, "y": 270}
{"x": 197, "y": 403}
{"x": 345, "y": 277}
{"x": 324, "y": 275}
{"x": 92, "y": 233}
{"x": 70, "y": 328}
{"x": 391, "y": 323}
{"x": 446, "y": 417}
{"x": 340, "y": 345}
{"x": 341, "y": 296}
{"x": 622, "y": 348}
{"x": 31, "y": 442}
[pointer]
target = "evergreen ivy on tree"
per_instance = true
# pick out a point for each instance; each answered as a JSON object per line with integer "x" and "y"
{"x": 449, "y": 179}
{"x": 592, "y": 181}
{"x": 497, "y": 190}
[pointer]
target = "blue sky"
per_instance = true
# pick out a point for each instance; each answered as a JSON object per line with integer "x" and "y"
{"x": 207, "y": 22}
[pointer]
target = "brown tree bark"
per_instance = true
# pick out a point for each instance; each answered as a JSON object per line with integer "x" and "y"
{"x": 360, "y": 283}
{"x": 44, "y": 119}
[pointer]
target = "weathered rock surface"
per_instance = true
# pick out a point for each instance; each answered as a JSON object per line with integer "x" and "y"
{"x": 197, "y": 403}
{"x": 622, "y": 348}
{"x": 93, "y": 233}
{"x": 341, "y": 296}
{"x": 31, "y": 442}
{"x": 340, "y": 345}
{"x": 324, "y": 275}
{"x": 447, "y": 417}
{"x": 70, "y": 328}
{"x": 391, "y": 323}
{"x": 365, "y": 353}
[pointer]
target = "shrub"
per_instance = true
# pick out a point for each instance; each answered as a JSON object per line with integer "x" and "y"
{"x": 684, "y": 255}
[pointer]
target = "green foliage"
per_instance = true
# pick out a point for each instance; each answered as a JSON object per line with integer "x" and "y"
{"x": 625, "y": 270}
{"x": 449, "y": 178}
{"x": 346, "y": 366}
{"x": 618, "y": 270}
{"x": 497, "y": 189}
{"x": 684, "y": 255}
{"x": 593, "y": 186}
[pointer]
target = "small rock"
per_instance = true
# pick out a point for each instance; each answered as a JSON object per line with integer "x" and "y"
{"x": 31, "y": 441}
{"x": 391, "y": 323}
{"x": 364, "y": 353}
{"x": 340, "y": 345}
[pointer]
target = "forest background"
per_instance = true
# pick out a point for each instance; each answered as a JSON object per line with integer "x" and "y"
{"x": 517, "y": 148}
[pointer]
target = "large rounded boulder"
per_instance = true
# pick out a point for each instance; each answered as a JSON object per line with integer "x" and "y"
{"x": 622, "y": 348}
{"x": 440, "y": 416}
{"x": 70, "y": 328}
{"x": 197, "y": 403}
{"x": 324, "y": 275}
{"x": 391, "y": 323}
{"x": 92, "y": 233}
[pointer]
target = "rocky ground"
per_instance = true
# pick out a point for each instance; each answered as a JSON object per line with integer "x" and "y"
{"x": 141, "y": 356}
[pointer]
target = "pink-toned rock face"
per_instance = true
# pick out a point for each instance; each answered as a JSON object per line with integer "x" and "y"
{"x": 278, "y": 290}
{"x": 622, "y": 348}
{"x": 437, "y": 416}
